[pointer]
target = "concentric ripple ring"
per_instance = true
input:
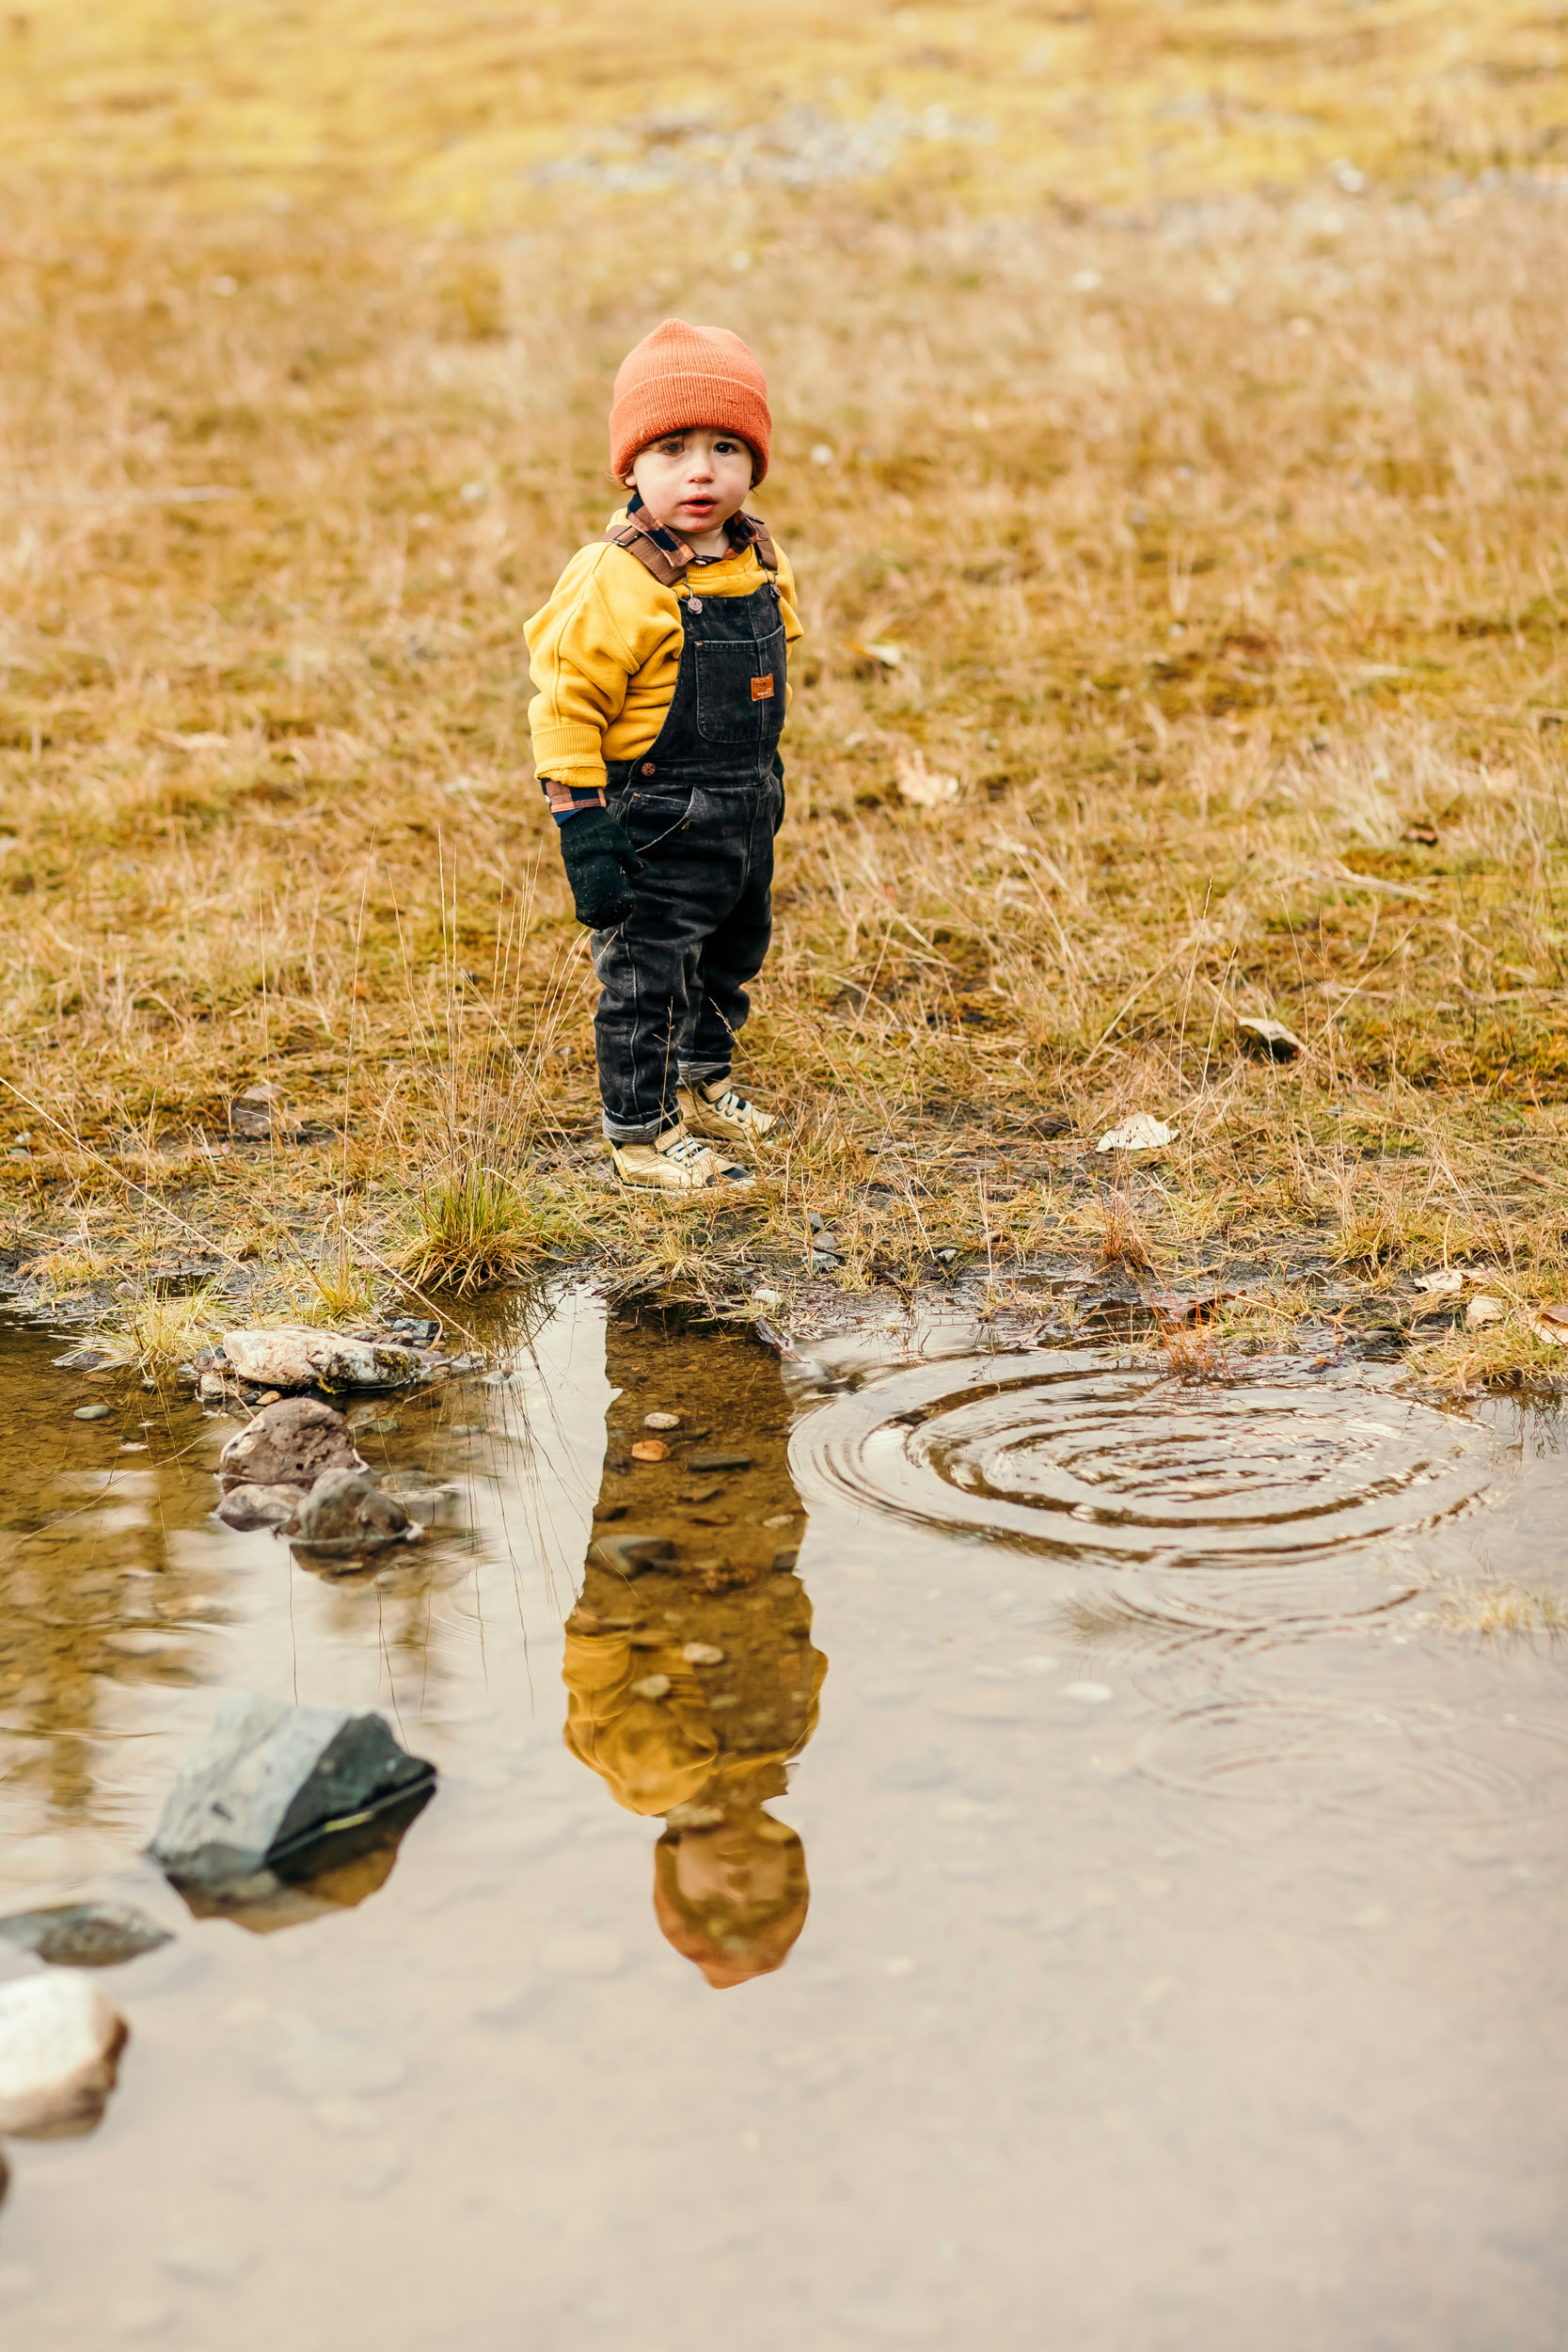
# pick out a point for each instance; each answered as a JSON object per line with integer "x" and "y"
{"x": 1236, "y": 1501}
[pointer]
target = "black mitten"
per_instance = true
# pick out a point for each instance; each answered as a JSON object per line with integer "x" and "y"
{"x": 599, "y": 859}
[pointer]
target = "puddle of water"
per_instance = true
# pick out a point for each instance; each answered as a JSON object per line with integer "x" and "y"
{"x": 1009, "y": 1865}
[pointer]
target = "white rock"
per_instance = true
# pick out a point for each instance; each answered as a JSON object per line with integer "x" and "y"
{"x": 61, "y": 2040}
{"x": 292, "y": 1356}
{"x": 1141, "y": 1133}
{"x": 1090, "y": 1694}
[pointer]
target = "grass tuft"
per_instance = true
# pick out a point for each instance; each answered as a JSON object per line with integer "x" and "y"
{"x": 476, "y": 1231}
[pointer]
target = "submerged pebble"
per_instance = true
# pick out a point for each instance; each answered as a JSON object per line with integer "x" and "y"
{"x": 84, "y": 1935}
{"x": 91, "y": 1413}
{"x": 207, "y": 2262}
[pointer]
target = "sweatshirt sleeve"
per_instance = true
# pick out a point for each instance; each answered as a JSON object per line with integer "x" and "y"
{"x": 605, "y": 620}
{"x": 789, "y": 606}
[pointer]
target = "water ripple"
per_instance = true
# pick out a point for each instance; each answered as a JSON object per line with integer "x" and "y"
{"x": 1258, "y": 1501}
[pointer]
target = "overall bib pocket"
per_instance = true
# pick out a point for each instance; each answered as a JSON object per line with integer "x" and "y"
{"x": 740, "y": 688}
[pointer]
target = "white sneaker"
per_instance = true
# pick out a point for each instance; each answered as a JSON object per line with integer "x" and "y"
{"x": 680, "y": 1163}
{"x": 720, "y": 1110}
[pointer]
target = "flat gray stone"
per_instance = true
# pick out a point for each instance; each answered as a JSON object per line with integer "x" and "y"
{"x": 84, "y": 1935}
{"x": 628, "y": 1553}
{"x": 297, "y": 1356}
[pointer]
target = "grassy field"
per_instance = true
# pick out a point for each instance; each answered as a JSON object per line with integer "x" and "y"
{"x": 1170, "y": 414}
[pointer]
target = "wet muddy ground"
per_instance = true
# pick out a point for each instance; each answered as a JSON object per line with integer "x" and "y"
{"x": 964, "y": 1848}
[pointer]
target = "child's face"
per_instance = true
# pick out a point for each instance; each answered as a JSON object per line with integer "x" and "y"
{"x": 735, "y": 1866}
{"x": 692, "y": 482}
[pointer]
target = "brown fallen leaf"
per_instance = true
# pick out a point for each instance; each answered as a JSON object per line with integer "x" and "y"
{"x": 1550, "y": 1323}
{"x": 650, "y": 1449}
{"x": 1484, "y": 1309}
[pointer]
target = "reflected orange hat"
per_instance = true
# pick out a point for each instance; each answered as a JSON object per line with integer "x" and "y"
{"x": 681, "y": 378}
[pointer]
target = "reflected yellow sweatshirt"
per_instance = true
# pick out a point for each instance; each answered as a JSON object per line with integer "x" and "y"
{"x": 605, "y": 653}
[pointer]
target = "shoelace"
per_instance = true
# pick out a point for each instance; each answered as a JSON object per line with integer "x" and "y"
{"x": 689, "y": 1148}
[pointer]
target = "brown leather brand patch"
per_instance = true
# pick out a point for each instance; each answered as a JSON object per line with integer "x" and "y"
{"x": 762, "y": 689}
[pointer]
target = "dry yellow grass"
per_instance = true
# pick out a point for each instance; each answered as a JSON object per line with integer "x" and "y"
{"x": 1211, "y": 500}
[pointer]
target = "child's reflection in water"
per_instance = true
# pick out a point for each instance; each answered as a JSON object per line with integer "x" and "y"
{"x": 702, "y": 1741}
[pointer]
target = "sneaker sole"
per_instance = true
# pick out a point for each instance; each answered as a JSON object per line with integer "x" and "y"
{"x": 685, "y": 1196}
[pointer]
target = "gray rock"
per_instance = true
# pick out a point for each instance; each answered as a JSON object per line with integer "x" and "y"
{"x": 347, "y": 1513}
{"x": 84, "y": 1935}
{"x": 61, "y": 2040}
{"x": 629, "y": 1554}
{"x": 295, "y": 1355}
{"x": 290, "y": 1444}
{"x": 246, "y": 1508}
{"x": 718, "y": 1461}
{"x": 272, "y": 1782}
{"x": 91, "y": 1413}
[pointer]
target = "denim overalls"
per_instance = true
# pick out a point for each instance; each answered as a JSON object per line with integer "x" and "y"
{"x": 701, "y": 807}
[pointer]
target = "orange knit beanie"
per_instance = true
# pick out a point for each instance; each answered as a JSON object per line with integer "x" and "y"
{"x": 680, "y": 379}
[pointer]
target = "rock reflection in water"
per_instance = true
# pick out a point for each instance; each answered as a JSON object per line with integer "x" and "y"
{"x": 691, "y": 1679}
{"x": 337, "y": 1874}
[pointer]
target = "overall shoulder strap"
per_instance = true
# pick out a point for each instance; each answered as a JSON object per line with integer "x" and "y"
{"x": 660, "y": 553}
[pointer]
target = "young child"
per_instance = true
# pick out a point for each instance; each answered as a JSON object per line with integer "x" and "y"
{"x": 661, "y": 663}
